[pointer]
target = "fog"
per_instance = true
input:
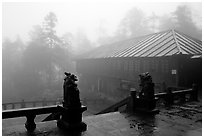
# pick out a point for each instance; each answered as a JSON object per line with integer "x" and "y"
{"x": 38, "y": 47}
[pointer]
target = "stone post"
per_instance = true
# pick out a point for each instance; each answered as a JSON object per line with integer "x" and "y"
{"x": 194, "y": 94}
{"x": 164, "y": 87}
{"x": 72, "y": 115}
{"x": 13, "y": 106}
{"x": 34, "y": 104}
{"x": 183, "y": 98}
{"x": 169, "y": 97}
{"x": 85, "y": 101}
{"x": 44, "y": 103}
{"x": 133, "y": 100}
{"x": 22, "y": 104}
{"x": 4, "y": 106}
{"x": 30, "y": 123}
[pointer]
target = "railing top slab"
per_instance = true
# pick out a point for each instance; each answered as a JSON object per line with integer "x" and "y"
{"x": 28, "y": 111}
{"x": 34, "y": 110}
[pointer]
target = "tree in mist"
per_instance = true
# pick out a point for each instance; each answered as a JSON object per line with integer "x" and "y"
{"x": 11, "y": 64}
{"x": 153, "y": 23}
{"x": 134, "y": 24}
{"x": 50, "y": 37}
{"x": 80, "y": 43}
{"x": 182, "y": 21}
{"x": 44, "y": 60}
{"x": 185, "y": 22}
{"x": 103, "y": 37}
{"x": 35, "y": 70}
{"x": 166, "y": 22}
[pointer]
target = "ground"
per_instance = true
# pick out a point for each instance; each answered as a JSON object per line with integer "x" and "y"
{"x": 178, "y": 120}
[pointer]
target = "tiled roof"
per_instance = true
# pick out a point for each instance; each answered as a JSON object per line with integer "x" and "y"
{"x": 165, "y": 43}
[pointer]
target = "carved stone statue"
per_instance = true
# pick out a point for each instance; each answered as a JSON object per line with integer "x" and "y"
{"x": 146, "y": 86}
{"x": 71, "y": 92}
{"x": 72, "y": 109}
{"x": 146, "y": 101}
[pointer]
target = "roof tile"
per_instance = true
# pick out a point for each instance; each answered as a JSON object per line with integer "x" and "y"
{"x": 165, "y": 43}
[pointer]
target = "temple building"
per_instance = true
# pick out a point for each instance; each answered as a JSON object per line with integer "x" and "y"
{"x": 171, "y": 57}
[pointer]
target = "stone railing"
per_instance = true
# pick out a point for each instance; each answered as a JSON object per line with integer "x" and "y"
{"x": 68, "y": 115}
{"x": 133, "y": 102}
{"x": 181, "y": 95}
{"x": 115, "y": 107}
{"x": 25, "y": 104}
{"x": 30, "y": 114}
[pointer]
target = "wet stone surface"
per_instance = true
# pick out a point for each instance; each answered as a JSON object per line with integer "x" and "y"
{"x": 178, "y": 120}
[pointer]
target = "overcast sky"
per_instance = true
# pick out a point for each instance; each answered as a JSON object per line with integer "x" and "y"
{"x": 18, "y": 18}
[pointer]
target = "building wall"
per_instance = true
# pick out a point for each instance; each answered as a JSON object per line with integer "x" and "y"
{"x": 118, "y": 75}
{"x": 190, "y": 71}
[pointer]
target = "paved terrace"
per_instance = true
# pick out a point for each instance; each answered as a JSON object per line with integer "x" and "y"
{"x": 182, "y": 120}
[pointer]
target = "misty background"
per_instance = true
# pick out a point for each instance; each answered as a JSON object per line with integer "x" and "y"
{"x": 41, "y": 40}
